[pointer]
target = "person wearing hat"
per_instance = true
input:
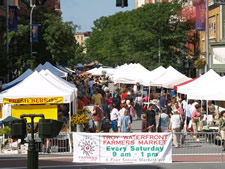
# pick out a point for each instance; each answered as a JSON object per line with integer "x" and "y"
{"x": 175, "y": 127}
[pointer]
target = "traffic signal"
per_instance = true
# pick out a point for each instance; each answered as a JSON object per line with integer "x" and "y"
{"x": 40, "y": 2}
{"x": 48, "y": 128}
{"x": 122, "y": 3}
{"x": 18, "y": 129}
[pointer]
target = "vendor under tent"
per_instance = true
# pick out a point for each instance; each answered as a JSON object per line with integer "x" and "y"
{"x": 36, "y": 90}
{"x": 170, "y": 78}
{"x": 55, "y": 70}
{"x": 27, "y": 73}
{"x": 209, "y": 76}
{"x": 184, "y": 83}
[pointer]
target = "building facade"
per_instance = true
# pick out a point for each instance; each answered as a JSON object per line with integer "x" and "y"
{"x": 216, "y": 24}
{"x": 81, "y": 37}
{"x": 140, "y": 3}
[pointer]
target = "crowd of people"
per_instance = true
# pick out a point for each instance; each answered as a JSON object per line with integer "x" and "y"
{"x": 161, "y": 111}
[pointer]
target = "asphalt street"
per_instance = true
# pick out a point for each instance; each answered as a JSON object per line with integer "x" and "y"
{"x": 192, "y": 155}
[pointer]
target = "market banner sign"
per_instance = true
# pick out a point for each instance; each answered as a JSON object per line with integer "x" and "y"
{"x": 200, "y": 16}
{"x": 49, "y": 111}
{"x": 41, "y": 100}
{"x": 13, "y": 21}
{"x": 35, "y": 32}
{"x": 122, "y": 147}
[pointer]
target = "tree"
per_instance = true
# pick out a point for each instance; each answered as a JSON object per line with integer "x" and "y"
{"x": 56, "y": 42}
{"x": 133, "y": 36}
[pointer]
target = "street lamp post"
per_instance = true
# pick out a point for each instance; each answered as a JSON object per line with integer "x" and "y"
{"x": 159, "y": 40}
{"x": 31, "y": 12}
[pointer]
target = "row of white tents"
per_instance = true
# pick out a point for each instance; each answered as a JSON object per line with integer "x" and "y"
{"x": 136, "y": 73}
{"x": 44, "y": 82}
{"x": 209, "y": 86}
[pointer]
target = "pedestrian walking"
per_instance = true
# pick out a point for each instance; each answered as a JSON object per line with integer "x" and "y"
{"x": 114, "y": 118}
{"x": 97, "y": 117}
{"x": 196, "y": 117}
{"x": 175, "y": 127}
{"x": 125, "y": 122}
{"x": 145, "y": 126}
{"x": 151, "y": 118}
{"x": 164, "y": 121}
{"x": 222, "y": 128}
{"x": 138, "y": 106}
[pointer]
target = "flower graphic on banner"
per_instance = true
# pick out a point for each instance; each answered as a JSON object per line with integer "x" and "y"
{"x": 87, "y": 145}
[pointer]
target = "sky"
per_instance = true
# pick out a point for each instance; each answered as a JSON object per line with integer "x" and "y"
{"x": 84, "y": 12}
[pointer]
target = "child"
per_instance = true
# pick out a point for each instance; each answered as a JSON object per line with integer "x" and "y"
{"x": 144, "y": 123}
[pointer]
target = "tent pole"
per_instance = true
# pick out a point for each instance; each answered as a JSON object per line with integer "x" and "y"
{"x": 148, "y": 95}
{"x": 69, "y": 117}
{"x": 186, "y": 125}
{"x": 207, "y": 112}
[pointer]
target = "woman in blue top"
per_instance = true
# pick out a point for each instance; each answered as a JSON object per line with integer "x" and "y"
{"x": 125, "y": 122}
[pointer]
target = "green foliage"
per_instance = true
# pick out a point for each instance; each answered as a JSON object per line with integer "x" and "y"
{"x": 133, "y": 36}
{"x": 3, "y": 62}
{"x": 6, "y": 130}
{"x": 56, "y": 43}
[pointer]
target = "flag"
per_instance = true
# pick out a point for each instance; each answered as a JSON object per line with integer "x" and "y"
{"x": 200, "y": 16}
{"x": 13, "y": 18}
{"x": 35, "y": 32}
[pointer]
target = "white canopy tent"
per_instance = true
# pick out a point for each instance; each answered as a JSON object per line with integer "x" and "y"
{"x": 62, "y": 84}
{"x": 208, "y": 88}
{"x": 27, "y": 73}
{"x": 209, "y": 76}
{"x": 170, "y": 78}
{"x": 64, "y": 69}
{"x": 35, "y": 86}
{"x": 132, "y": 74}
{"x": 96, "y": 71}
{"x": 156, "y": 73}
{"x": 122, "y": 70}
{"x": 54, "y": 70}
{"x": 39, "y": 68}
